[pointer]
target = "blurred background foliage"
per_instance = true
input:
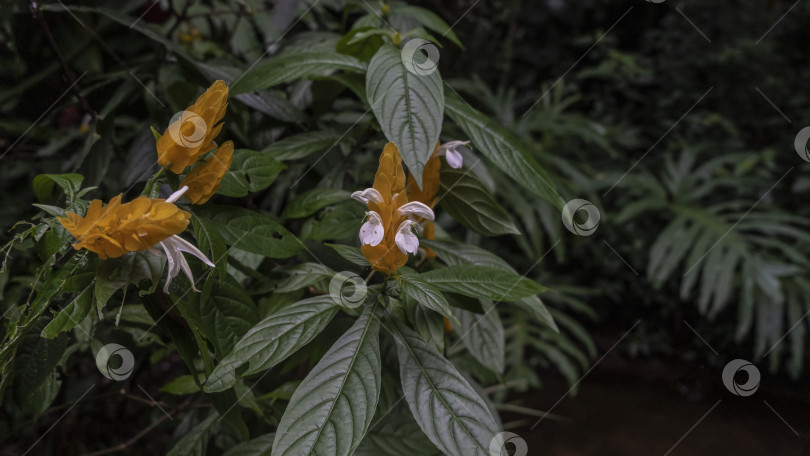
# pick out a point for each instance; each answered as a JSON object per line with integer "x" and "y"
{"x": 677, "y": 123}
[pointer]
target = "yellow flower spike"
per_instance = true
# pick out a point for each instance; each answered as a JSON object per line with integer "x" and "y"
{"x": 118, "y": 228}
{"x": 204, "y": 180}
{"x": 192, "y": 132}
{"x": 389, "y": 182}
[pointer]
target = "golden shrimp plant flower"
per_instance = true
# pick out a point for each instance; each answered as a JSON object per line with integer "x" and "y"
{"x": 387, "y": 236}
{"x": 205, "y": 179}
{"x": 119, "y": 228}
{"x": 191, "y": 132}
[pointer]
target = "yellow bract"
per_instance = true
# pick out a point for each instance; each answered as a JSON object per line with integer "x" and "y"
{"x": 117, "y": 228}
{"x": 204, "y": 180}
{"x": 192, "y": 134}
{"x": 390, "y": 182}
{"x": 427, "y": 194}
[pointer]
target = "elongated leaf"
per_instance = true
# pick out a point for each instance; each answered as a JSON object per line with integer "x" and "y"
{"x": 70, "y": 184}
{"x": 430, "y": 20}
{"x": 458, "y": 253}
{"x": 447, "y": 408}
{"x": 293, "y": 66}
{"x": 482, "y": 335}
{"x": 313, "y": 200}
{"x": 300, "y": 146}
{"x": 502, "y": 148}
{"x": 273, "y": 339}
{"x": 454, "y": 254}
{"x": 426, "y": 323}
{"x": 226, "y": 314}
{"x": 352, "y": 254}
{"x": 427, "y": 295}
{"x": 482, "y": 282}
{"x": 396, "y": 435}
{"x": 73, "y": 314}
{"x": 251, "y": 171}
{"x": 408, "y": 106}
{"x": 209, "y": 240}
{"x": 253, "y": 232}
{"x": 468, "y": 201}
{"x": 259, "y": 446}
{"x": 331, "y": 410}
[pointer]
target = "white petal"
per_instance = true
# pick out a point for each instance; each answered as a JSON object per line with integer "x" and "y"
{"x": 369, "y": 194}
{"x": 372, "y": 231}
{"x": 416, "y": 208}
{"x": 177, "y": 195}
{"x": 174, "y": 247}
{"x": 405, "y": 239}
{"x": 454, "y": 158}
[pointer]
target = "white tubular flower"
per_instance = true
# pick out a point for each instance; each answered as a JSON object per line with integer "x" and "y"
{"x": 406, "y": 239}
{"x": 177, "y": 195}
{"x": 372, "y": 232}
{"x": 415, "y": 208}
{"x": 453, "y": 156}
{"x": 174, "y": 247}
{"x": 369, "y": 194}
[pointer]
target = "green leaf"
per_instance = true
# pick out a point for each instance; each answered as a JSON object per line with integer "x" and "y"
{"x": 117, "y": 273}
{"x": 209, "y": 240}
{"x": 458, "y": 253}
{"x": 181, "y": 385}
{"x": 362, "y": 42}
{"x": 72, "y": 314}
{"x": 337, "y": 222}
{"x": 195, "y": 441}
{"x": 70, "y": 183}
{"x": 482, "y": 282}
{"x": 427, "y": 295}
{"x": 408, "y": 106}
{"x": 331, "y": 410}
{"x": 300, "y": 146}
{"x": 447, "y": 408}
{"x": 467, "y": 200}
{"x": 534, "y": 305}
{"x": 302, "y": 275}
{"x": 483, "y": 335}
{"x": 226, "y": 314}
{"x": 397, "y": 434}
{"x": 293, "y": 66}
{"x": 259, "y": 446}
{"x": 251, "y": 231}
{"x": 501, "y": 147}
{"x": 427, "y": 323}
{"x": 430, "y": 20}
{"x": 312, "y": 201}
{"x": 352, "y": 254}
{"x": 455, "y": 253}
{"x": 273, "y": 339}
{"x": 251, "y": 171}
{"x": 35, "y": 360}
